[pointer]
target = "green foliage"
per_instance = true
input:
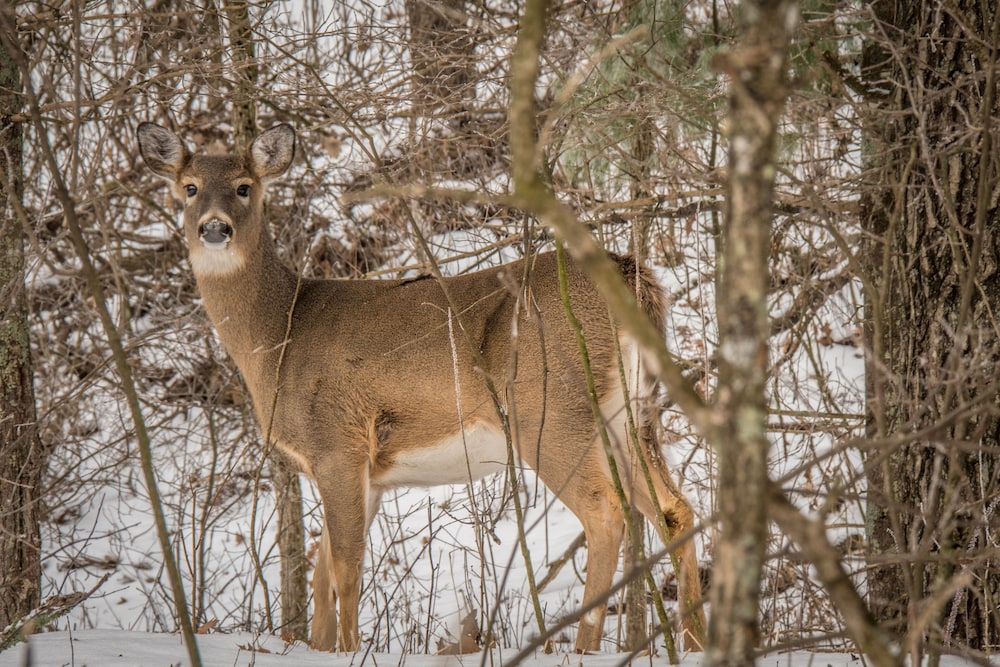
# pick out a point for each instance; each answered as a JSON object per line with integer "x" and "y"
{"x": 660, "y": 82}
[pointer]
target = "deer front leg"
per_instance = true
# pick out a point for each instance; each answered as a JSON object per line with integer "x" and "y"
{"x": 345, "y": 492}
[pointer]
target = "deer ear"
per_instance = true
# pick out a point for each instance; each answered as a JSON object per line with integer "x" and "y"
{"x": 162, "y": 150}
{"x": 271, "y": 153}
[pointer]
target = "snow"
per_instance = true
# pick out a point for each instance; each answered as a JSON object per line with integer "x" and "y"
{"x": 118, "y": 648}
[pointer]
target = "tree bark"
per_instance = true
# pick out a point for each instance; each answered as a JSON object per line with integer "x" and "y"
{"x": 448, "y": 138}
{"x": 291, "y": 546}
{"x": 22, "y": 460}
{"x": 245, "y": 72}
{"x": 441, "y": 53}
{"x": 931, "y": 217}
{"x": 636, "y": 602}
{"x": 758, "y": 89}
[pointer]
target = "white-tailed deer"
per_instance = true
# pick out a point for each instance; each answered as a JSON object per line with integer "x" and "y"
{"x": 379, "y": 387}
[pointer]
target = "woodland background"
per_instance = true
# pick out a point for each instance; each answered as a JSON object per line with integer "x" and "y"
{"x": 876, "y": 229}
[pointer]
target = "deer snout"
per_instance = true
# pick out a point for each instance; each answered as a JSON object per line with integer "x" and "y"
{"x": 215, "y": 232}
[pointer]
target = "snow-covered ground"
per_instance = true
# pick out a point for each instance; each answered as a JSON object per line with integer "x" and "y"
{"x": 117, "y": 648}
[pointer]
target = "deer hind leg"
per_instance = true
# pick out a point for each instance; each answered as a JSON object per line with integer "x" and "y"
{"x": 679, "y": 517}
{"x": 583, "y": 486}
{"x": 604, "y": 526}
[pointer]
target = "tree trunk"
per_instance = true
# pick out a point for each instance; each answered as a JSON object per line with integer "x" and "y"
{"x": 931, "y": 217}
{"x": 291, "y": 546}
{"x": 22, "y": 460}
{"x": 756, "y": 70}
{"x": 636, "y": 602}
{"x": 447, "y": 138}
{"x": 245, "y": 71}
{"x": 441, "y": 53}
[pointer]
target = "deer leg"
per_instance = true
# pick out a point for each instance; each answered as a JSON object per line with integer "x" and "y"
{"x": 679, "y": 519}
{"x": 344, "y": 490}
{"x": 585, "y": 489}
{"x": 323, "y": 632}
{"x": 604, "y": 526}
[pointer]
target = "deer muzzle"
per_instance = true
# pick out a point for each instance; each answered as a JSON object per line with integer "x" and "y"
{"x": 215, "y": 233}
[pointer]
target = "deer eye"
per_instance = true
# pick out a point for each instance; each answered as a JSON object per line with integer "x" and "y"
{"x": 243, "y": 190}
{"x": 191, "y": 190}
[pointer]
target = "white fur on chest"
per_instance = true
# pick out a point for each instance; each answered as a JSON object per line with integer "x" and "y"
{"x": 215, "y": 261}
{"x": 463, "y": 457}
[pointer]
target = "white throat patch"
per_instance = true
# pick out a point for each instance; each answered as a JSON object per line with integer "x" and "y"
{"x": 215, "y": 261}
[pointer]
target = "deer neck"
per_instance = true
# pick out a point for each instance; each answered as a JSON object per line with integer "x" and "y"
{"x": 249, "y": 308}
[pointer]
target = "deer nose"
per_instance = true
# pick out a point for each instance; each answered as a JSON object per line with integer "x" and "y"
{"x": 215, "y": 232}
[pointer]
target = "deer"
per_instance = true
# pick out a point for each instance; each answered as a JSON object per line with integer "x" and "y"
{"x": 369, "y": 385}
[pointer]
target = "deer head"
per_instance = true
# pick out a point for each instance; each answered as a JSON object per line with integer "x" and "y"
{"x": 223, "y": 196}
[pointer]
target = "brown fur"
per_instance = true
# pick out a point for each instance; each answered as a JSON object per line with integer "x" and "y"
{"x": 366, "y": 393}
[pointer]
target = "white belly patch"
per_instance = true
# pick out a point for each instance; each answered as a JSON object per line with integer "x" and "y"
{"x": 466, "y": 456}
